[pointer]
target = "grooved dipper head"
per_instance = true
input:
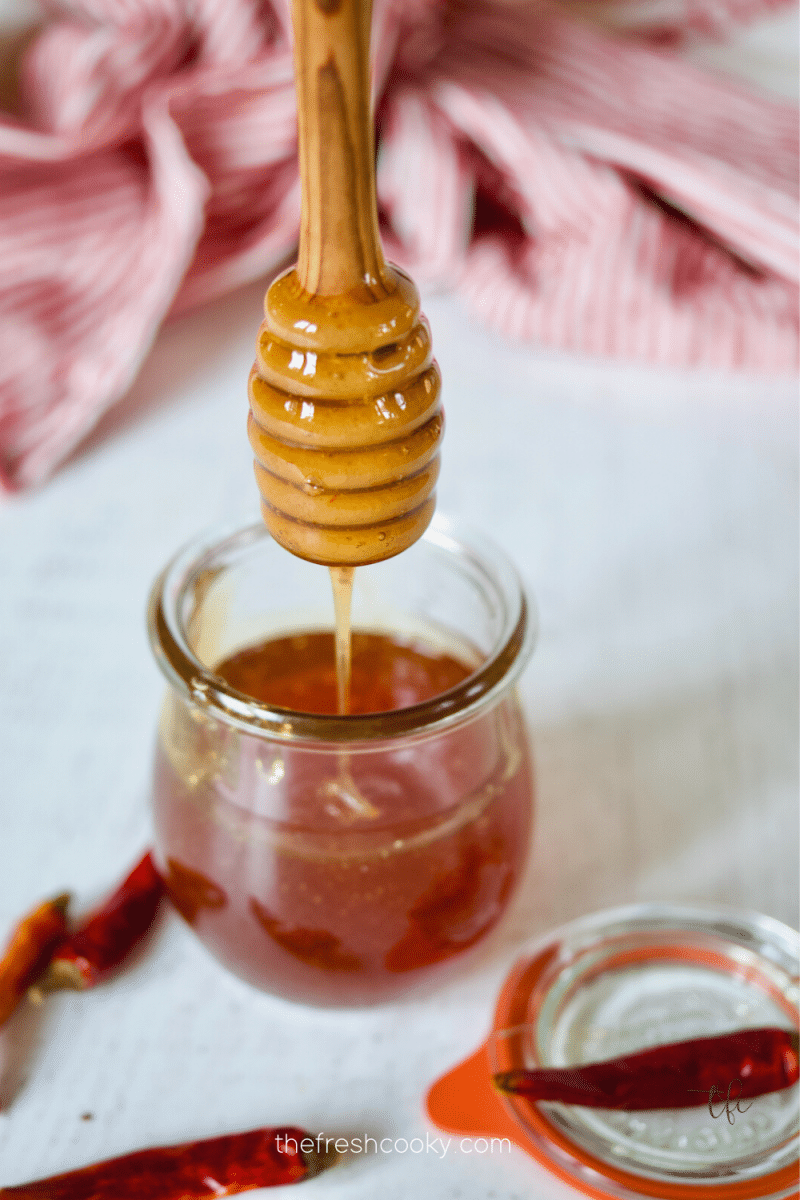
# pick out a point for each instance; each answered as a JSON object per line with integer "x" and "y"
{"x": 345, "y": 420}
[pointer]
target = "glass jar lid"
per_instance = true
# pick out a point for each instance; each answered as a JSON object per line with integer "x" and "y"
{"x": 622, "y": 981}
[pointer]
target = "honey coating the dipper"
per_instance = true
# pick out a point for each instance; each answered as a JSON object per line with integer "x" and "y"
{"x": 345, "y": 414}
{"x": 345, "y": 423}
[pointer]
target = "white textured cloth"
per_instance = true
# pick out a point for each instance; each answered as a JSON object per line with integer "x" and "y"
{"x": 584, "y": 191}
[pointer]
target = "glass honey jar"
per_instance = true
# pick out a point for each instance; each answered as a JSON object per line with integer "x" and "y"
{"x": 341, "y": 860}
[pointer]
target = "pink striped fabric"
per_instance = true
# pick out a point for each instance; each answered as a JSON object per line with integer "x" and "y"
{"x": 583, "y": 190}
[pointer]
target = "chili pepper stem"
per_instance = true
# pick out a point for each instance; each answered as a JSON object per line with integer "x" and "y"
{"x": 61, "y": 975}
{"x": 317, "y": 1161}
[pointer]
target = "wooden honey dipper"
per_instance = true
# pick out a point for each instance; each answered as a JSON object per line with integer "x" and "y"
{"x": 345, "y": 417}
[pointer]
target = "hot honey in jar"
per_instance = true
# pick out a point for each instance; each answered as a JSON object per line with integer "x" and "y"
{"x": 332, "y": 859}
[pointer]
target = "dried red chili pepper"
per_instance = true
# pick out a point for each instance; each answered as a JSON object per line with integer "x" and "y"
{"x": 108, "y": 936}
{"x": 677, "y": 1075}
{"x": 442, "y": 921}
{"x": 191, "y": 892}
{"x": 220, "y": 1166}
{"x": 29, "y": 951}
{"x": 317, "y": 947}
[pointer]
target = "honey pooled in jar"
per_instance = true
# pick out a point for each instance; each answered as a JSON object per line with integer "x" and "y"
{"x": 299, "y": 672}
{"x": 300, "y": 903}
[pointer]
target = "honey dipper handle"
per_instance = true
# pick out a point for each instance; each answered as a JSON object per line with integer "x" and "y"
{"x": 340, "y": 248}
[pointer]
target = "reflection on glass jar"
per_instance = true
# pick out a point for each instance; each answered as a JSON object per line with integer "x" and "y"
{"x": 343, "y": 860}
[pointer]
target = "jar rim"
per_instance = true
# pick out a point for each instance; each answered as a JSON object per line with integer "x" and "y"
{"x": 202, "y": 686}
